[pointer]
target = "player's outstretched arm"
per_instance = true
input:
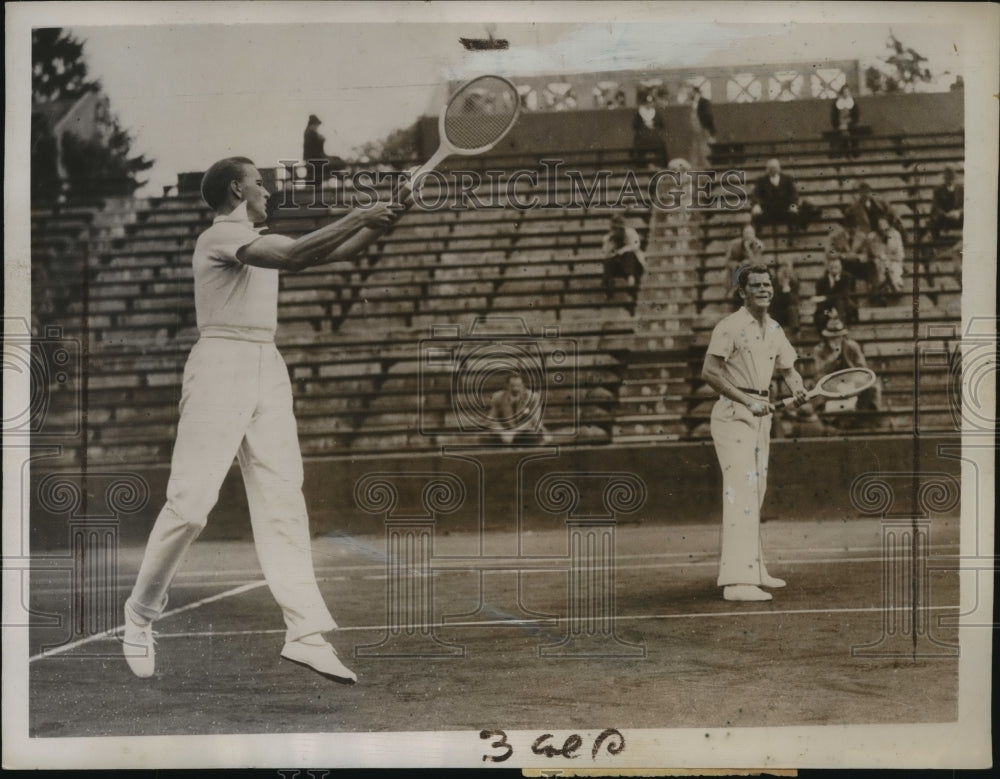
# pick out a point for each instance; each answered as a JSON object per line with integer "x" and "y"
{"x": 341, "y": 240}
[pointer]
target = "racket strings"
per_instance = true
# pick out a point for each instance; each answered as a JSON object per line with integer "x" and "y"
{"x": 846, "y": 381}
{"x": 480, "y": 113}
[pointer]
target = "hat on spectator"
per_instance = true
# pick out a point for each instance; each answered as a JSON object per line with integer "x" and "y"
{"x": 618, "y": 219}
{"x": 834, "y": 326}
{"x": 313, "y": 119}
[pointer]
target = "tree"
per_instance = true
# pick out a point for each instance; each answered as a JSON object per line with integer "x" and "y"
{"x": 58, "y": 70}
{"x": 45, "y": 181}
{"x": 101, "y": 164}
{"x": 903, "y": 71}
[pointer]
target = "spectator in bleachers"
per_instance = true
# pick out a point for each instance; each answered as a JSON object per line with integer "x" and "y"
{"x": 947, "y": 206}
{"x": 741, "y": 252}
{"x": 846, "y": 244}
{"x": 835, "y": 296}
{"x": 885, "y": 248}
{"x": 312, "y": 150}
{"x": 702, "y": 130}
{"x": 863, "y": 214}
{"x": 844, "y": 117}
{"x": 649, "y": 131}
{"x": 774, "y": 200}
{"x": 837, "y": 352}
{"x": 785, "y": 306}
{"x": 623, "y": 255}
{"x": 516, "y": 412}
{"x": 312, "y": 141}
{"x": 318, "y": 164}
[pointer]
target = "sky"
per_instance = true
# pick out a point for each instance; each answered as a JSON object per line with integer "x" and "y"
{"x": 192, "y": 93}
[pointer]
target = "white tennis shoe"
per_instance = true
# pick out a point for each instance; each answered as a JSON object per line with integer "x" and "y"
{"x": 772, "y": 581}
{"x": 139, "y": 646}
{"x": 321, "y": 658}
{"x": 745, "y": 592}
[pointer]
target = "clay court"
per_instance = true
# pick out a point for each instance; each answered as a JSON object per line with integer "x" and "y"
{"x": 687, "y": 657}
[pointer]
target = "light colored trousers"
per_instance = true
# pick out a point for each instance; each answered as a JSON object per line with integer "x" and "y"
{"x": 236, "y": 400}
{"x": 742, "y": 443}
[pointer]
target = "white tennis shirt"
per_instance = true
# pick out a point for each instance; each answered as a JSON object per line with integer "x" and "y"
{"x": 230, "y": 298}
{"x": 751, "y": 353}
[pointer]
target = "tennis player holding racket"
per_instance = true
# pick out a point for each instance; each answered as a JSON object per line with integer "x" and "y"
{"x": 746, "y": 348}
{"x": 236, "y": 399}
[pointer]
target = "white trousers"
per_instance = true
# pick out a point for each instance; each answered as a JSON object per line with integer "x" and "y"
{"x": 236, "y": 400}
{"x": 742, "y": 443}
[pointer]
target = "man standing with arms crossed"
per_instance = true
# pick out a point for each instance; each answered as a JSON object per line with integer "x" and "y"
{"x": 745, "y": 350}
{"x": 236, "y": 400}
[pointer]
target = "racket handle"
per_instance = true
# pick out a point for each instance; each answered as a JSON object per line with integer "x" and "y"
{"x": 781, "y": 405}
{"x": 403, "y": 202}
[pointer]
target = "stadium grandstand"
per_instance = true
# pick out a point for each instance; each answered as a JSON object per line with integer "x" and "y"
{"x": 355, "y": 335}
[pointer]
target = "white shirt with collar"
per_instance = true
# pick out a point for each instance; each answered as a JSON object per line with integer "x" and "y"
{"x": 751, "y": 353}
{"x": 229, "y": 296}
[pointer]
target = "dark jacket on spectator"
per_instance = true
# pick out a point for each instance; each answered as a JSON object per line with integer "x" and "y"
{"x": 704, "y": 111}
{"x": 838, "y": 295}
{"x": 863, "y": 214}
{"x": 774, "y": 200}
{"x": 946, "y": 200}
{"x": 312, "y": 144}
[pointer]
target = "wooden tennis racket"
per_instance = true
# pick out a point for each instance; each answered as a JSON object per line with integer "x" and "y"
{"x": 475, "y": 119}
{"x": 838, "y": 385}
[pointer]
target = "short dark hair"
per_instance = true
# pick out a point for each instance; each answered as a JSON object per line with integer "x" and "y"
{"x": 217, "y": 179}
{"x": 744, "y": 275}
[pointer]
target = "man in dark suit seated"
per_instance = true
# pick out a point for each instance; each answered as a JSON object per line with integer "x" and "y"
{"x": 774, "y": 200}
{"x": 947, "y": 206}
{"x": 835, "y": 292}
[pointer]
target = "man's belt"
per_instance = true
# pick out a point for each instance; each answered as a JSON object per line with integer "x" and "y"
{"x": 760, "y": 393}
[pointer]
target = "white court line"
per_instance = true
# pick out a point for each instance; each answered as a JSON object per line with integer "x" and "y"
{"x": 252, "y": 585}
{"x": 217, "y": 572}
{"x": 208, "y": 582}
{"x": 713, "y": 560}
{"x": 557, "y": 620}
{"x": 115, "y": 631}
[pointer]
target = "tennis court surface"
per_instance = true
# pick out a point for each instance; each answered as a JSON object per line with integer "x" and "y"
{"x": 680, "y": 656}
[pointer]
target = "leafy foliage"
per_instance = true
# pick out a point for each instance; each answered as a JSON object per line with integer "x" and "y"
{"x": 99, "y": 165}
{"x": 45, "y": 181}
{"x": 58, "y": 70}
{"x": 903, "y": 71}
